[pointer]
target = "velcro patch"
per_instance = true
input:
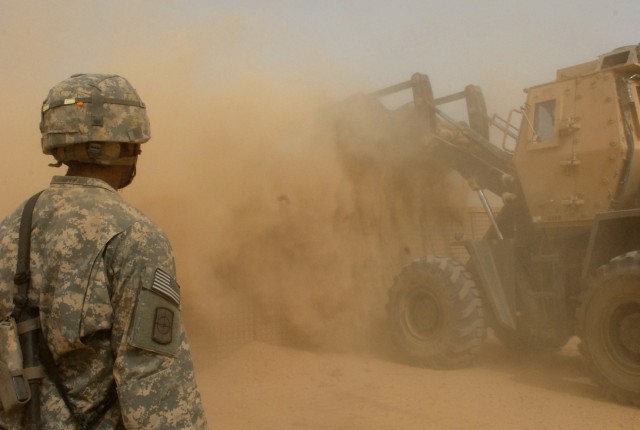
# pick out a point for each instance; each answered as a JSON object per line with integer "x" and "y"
{"x": 166, "y": 286}
{"x": 156, "y": 322}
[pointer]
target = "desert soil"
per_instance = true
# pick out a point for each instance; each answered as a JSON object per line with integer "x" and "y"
{"x": 264, "y": 386}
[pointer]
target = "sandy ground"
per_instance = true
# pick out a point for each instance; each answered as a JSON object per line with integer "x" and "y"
{"x": 263, "y": 386}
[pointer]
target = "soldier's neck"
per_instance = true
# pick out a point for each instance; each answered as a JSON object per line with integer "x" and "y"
{"x": 109, "y": 174}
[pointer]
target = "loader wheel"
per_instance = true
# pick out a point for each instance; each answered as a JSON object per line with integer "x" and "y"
{"x": 609, "y": 328}
{"x": 435, "y": 313}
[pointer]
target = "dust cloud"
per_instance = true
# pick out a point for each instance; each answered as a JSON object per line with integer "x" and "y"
{"x": 305, "y": 206}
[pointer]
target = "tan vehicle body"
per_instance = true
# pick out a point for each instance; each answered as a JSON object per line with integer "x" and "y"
{"x": 575, "y": 142}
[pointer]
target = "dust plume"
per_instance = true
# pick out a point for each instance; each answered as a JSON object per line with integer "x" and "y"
{"x": 305, "y": 206}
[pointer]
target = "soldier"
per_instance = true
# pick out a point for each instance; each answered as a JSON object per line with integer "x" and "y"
{"x": 113, "y": 347}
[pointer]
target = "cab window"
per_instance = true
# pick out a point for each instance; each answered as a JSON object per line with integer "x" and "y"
{"x": 544, "y": 120}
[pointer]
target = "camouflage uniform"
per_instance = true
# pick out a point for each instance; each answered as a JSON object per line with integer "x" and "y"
{"x": 103, "y": 276}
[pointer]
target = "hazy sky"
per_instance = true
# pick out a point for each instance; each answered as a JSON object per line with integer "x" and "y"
{"x": 456, "y": 42}
{"x": 171, "y": 49}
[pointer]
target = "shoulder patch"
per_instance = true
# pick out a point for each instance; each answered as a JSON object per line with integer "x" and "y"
{"x": 162, "y": 326}
{"x": 156, "y": 320}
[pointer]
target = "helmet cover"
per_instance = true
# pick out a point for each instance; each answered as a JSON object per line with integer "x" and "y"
{"x": 92, "y": 108}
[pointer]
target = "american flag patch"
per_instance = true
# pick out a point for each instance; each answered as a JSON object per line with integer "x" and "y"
{"x": 166, "y": 286}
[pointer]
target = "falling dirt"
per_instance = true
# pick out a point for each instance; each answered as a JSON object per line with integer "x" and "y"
{"x": 305, "y": 207}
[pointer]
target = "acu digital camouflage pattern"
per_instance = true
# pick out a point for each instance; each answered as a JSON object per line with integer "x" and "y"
{"x": 92, "y": 257}
{"x": 93, "y": 108}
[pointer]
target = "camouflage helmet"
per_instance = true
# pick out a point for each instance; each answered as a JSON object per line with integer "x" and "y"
{"x": 88, "y": 116}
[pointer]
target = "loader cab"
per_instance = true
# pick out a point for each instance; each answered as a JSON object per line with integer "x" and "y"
{"x": 578, "y": 137}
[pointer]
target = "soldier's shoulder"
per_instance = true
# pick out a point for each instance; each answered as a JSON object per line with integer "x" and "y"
{"x": 116, "y": 210}
{"x": 144, "y": 232}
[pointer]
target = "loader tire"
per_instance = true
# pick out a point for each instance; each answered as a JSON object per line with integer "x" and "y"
{"x": 609, "y": 328}
{"x": 435, "y": 313}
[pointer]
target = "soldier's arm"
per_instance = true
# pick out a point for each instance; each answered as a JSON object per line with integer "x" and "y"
{"x": 153, "y": 369}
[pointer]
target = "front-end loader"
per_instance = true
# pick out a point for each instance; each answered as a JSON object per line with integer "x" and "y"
{"x": 562, "y": 256}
